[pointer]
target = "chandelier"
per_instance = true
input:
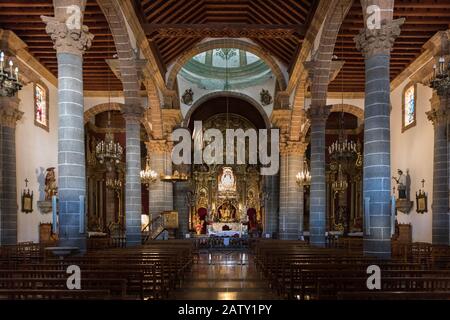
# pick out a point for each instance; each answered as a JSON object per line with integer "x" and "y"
{"x": 303, "y": 178}
{"x": 440, "y": 80}
{"x": 9, "y": 78}
{"x": 109, "y": 151}
{"x": 175, "y": 177}
{"x": 341, "y": 184}
{"x": 148, "y": 176}
{"x": 114, "y": 184}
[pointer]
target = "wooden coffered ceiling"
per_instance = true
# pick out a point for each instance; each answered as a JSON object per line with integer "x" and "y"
{"x": 174, "y": 26}
{"x": 423, "y": 19}
{"x": 23, "y": 17}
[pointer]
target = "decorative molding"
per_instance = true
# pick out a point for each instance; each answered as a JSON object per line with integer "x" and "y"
{"x": 157, "y": 146}
{"x": 170, "y": 119}
{"x": 438, "y": 116}
{"x": 293, "y": 148}
{"x": 378, "y": 41}
{"x": 9, "y": 112}
{"x": 65, "y": 40}
{"x": 318, "y": 113}
{"x": 225, "y": 31}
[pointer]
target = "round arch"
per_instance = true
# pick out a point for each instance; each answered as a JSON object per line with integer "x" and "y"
{"x": 113, "y": 106}
{"x": 347, "y": 108}
{"x": 230, "y": 94}
{"x": 226, "y": 43}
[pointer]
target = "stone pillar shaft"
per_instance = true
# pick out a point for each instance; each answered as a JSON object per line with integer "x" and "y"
{"x": 317, "y": 220}
{"x": 272, "y": 188}
{"x": 440, "y": 205}
{"x": 8, "y": 188}
{"x": 181, "y": 205}
{"x": 70, "y": 45}
{"x": 291, "y": 196}
{"x": 133, "y": 182}
{"x": 160, "y": 192}
{"x": 376, "y": 45}
{"x": 71, "y": 151}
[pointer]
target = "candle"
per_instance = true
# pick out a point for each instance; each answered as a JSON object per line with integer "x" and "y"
{"x": 11, "y": 68}
{"x": 2, "y": 58}
{"x": 16, "y": 71}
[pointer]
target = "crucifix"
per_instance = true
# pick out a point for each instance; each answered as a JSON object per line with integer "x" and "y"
{"x": 423, "y": 183}
{"x": 26, "y": 183}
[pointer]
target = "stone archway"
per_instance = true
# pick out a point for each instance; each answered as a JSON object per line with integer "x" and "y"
{"x": 226, "y": 43}
{"x": 237, "y": 95}
{"x": 114, "y": 106}
{"x": 347, "y": 108}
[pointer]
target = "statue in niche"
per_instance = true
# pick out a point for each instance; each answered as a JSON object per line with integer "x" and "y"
{"x": 227, "y": 212}
{"x": 227, "y": 182}
{"x": 50, "y": 184}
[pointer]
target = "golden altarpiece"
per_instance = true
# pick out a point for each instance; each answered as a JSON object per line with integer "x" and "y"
{"x": 227, "y": 197}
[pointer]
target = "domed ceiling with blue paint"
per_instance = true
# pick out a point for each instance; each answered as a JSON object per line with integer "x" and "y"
{"x": 226, "y": 68}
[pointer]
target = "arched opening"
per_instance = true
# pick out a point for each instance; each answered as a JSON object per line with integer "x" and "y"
{"x": 227, "y": 195}
{"x": 344, "y": 207}
{"x": 105, "y": 179}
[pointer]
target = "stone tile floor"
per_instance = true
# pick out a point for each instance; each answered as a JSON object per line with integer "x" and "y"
{"x": 224, "y": 275}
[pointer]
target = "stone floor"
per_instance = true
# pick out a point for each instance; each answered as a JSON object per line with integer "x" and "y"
{"x": 224, "y": 275}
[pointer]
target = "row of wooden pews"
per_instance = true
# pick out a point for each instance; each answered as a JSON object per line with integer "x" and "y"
{"x": 297, "y": 271}
{"x": 146, "y": 272}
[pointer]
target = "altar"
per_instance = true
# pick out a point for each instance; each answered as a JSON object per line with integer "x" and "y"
{"x": 234, "y": 229}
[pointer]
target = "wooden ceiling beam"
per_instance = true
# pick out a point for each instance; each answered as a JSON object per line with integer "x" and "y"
{"x": 219, "y": 30}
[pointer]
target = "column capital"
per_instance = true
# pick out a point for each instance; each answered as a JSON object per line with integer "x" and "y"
{"x": 133, "y": 112}
{"x": 293, "y": 148}
{"x": 438, "y": 116}
{"x": 66, "y": 40}
{"x": 158, "y": 146}
{"x": 318, "y": 113}
{"x": 9, "y": 111}
{"x": 378, "y": 41}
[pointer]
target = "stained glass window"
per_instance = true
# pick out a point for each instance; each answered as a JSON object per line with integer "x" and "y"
{"x": 41, "y": 106}
{"x": 409, "y": 107}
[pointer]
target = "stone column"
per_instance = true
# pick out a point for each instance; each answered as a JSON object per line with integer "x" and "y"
{"x": 70, "y": 45}
{"x": 376, "y": 45}
{"x": 440, "y": 206}
{"x": 272, "y": 203}
{"x": 181, "y": 205}
{"x": 133, "y": 203}
{"x": 291, "y": 195}
{"x": 9, "y": 115}
{"x": 160, "y": 192}
{"x": 317, "y": 217}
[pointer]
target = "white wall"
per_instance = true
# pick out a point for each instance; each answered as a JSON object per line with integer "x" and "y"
{"x": 413, "y": 151}
{"x": 36, "y": 150}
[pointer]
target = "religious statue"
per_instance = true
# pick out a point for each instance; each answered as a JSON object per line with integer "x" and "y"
{"x": 50, "y": 184}
{"x": 227, "y": 183}
{"x": 226, "y": 213}
{"x": 401, "y": 184}
{"x": 403, "y": 181}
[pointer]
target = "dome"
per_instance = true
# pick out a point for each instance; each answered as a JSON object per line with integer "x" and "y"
{"x": 211, "y": 70}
